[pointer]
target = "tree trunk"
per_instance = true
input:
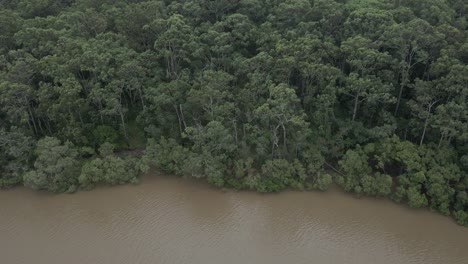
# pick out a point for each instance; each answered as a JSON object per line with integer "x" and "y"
{"x": 81, "y": 119}
{"x": 441, "y": 139}
{"x": 243, "y": 132}
{"x": 404, "y": 80}
{"x": 140, "y": 93}
{"x": 426, "y": 122}
{"x": 30, "y": 127}
{"x": 122, "y": 119}
{"x": 100, "y": 112}
{"x": 235, "y": 130}
{"x": 284, "y": 137}
{"x": 356, "y": 102}
{"x": 183, "y": 117}
{"x": 274, "y": 140}
{"x": 33, "y": 119}
{"x": 398, "y": 100}
{"x": 40, "y": 126}
{"x": 178, "y": 118}
{"x": 424, "y": 130}
{"x": 48, "y": 126}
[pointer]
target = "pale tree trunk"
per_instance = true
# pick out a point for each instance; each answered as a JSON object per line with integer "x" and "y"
{"x": 30, "y": 127}
{"x": 441, "y": 139}
{"x": 400, "y": 93}
{"x": 33, "y": 119}
{"x": 100, "y": 112}
{"x": 183, "y": 117}
{"x": 356, "y": 103}
{"x": 140, "y": 93}
{"x": 426, "y": 122}
{"x": 234, "y": 124}
{"x": 274, "y": 141}
{"x": 404, "y": 78}
{"x": 179, "y": 118}
{"x": 284, "y": 136}
{"x": 243, "y": 131}
{"x": 40, "y": 126}
{"x": 48, "y": 126}
{"x": 424, "y": 130}
{"x": 124, "y": 127}
{"x": 81, "y": 118}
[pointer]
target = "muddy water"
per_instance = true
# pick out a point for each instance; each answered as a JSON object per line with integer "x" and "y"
{"x": 171, "y": 220}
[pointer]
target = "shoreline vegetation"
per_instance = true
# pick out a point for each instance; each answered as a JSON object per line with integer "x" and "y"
{"x": 240, "y": 93}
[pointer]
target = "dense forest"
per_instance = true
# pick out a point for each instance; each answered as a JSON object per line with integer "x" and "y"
{"x": 250, "y": 94}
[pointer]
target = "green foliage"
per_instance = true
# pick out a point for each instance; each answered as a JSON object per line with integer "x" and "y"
{"x": 416, "y": 198}
{"x": 276, "y": 175}
{"x": 215, "y": 173}
{"x": 103, "y": 134}
{"x": 108, "y": 170}
{"x": 369, "y": 94}
{"x": 15, "y": 157}
{"x": 461, "y": 217}
{"x": 322, "y": 181}
{"x": 167, "y": 155}
{"x": 56, "y": 167}
{"x": 106, "y": 149}
{"x": 355, "y": 166}
{"x": 212, "y": 141}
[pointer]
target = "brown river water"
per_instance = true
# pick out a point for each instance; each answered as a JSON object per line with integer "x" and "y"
{"x": 172, "y": 220}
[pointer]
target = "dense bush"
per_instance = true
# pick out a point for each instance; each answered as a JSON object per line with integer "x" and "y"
{"x": 108, "y": 169}
{"x": 56, "y": 166}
